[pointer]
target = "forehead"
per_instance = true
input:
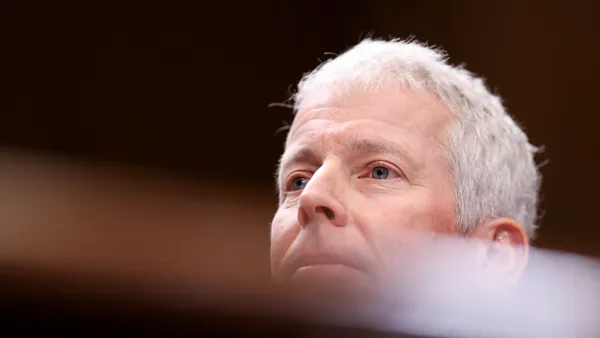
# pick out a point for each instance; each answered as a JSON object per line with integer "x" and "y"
{"x": 393, "y": 113}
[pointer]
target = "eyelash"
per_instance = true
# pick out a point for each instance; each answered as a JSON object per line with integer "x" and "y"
{"x": 389, "y": 166}
{"x": 292, "y": 177}
{"x": 370, "y": 167}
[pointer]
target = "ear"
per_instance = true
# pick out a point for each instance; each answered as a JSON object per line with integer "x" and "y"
{"x": 507, "y": 249}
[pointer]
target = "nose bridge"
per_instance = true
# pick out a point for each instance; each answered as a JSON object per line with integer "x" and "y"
{"x": 327, "y": 180}
{"x": 323, "y": 195}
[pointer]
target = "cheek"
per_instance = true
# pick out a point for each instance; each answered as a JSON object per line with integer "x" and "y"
{"x": 393, "y": 221}
{"x": 392, "y": 213}
{"x": 419, "y": 209}
{"x": 284, "y": 230}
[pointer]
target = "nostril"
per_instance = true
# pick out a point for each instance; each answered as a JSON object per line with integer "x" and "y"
{"x": 327, "y": 211}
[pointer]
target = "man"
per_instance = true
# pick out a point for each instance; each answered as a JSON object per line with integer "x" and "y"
{"x": 390, "y": 141}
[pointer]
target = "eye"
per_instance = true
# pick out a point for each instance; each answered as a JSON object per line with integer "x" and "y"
{"x": 380, "y": 173}
{"x": 298, "y": 183}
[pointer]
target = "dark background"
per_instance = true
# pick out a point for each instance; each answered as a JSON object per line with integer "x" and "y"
{"x": 184, "y": 89}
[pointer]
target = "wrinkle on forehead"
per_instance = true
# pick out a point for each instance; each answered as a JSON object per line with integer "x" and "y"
{"x": 396, "y": 98}
{"x": 405, "y": 109}
{"x": 351, "y": 140}
{"x": 354, "y": 136}
{"x": 324, "y": 114}
{"x": 415, "y": 117}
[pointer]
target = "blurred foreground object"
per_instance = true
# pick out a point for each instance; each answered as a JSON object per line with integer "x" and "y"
{"x": 98, "y": 249}
{"x": 128, "y": 222}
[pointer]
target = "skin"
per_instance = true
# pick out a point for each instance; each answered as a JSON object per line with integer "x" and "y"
{"x": 359, "y": 177}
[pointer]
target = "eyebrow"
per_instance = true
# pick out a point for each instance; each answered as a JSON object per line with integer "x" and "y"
{"x": 358, "y": 146}
{"x": 302, "y": 154}
{"x": 367, "y": 146}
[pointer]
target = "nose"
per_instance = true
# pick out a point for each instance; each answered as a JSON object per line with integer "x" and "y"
{"x": 320, "y": 199}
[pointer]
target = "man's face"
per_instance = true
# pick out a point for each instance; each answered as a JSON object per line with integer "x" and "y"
{"x": 357, "y": 177}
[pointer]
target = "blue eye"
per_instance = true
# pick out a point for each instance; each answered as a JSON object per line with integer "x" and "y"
{"x": 298, "y": 183}
{"x": 380, "y": 173}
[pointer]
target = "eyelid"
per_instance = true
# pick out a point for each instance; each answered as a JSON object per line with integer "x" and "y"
{"x": 384, "y": 164}
{"x": 294, "y": 175}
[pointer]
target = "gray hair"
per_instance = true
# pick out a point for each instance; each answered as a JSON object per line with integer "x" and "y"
{"x": 490, "y": 157}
